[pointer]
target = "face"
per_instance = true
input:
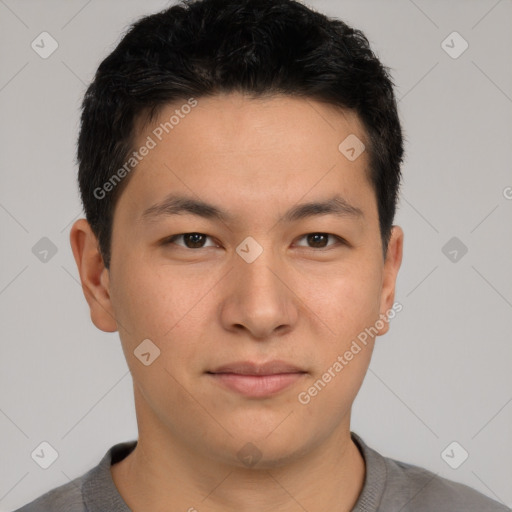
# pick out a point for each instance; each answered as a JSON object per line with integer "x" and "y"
{"x": 252, "y": 299}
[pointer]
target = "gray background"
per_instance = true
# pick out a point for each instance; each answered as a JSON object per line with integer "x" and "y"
{"x": 442, "y": 374}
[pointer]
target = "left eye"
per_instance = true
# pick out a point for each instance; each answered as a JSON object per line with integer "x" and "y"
{"x": 196, "y": 240}
{"x": 319, "y": 240}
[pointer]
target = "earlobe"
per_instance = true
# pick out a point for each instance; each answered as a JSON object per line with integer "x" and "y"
{"x": 94, "y": 276}
{"x": 390, "y": 272}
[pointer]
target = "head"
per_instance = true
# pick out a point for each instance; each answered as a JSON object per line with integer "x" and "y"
{"x": 239, "y": 166}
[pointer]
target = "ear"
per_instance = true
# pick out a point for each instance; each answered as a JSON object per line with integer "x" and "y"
{"x": 93, "y": 275}
{"x": 390, "y": 272}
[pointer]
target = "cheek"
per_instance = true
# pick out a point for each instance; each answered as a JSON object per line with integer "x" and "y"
{"x": 163, "y": 304}
{"x": 346, "y": 300}
{"x": 332, "y": 391}
{"x": 350, "y": 308}
{"x": 143, "y": 301}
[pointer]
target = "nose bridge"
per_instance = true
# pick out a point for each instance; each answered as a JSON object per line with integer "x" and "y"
{"x": 256, "y": 266}
{"x": 259, "y": 300}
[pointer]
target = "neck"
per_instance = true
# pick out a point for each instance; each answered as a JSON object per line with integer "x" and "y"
{"x": 161, "y": 475}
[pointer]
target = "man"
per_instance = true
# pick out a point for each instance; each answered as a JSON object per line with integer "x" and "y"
{"x": 239, "y": 165}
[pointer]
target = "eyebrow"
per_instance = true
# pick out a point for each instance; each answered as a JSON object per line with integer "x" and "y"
{"x": 175, "y": 204}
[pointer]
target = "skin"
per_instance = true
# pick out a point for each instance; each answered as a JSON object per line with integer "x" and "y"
{"x": 203, "y": 307}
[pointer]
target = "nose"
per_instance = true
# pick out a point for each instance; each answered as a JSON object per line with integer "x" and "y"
{"x": 258, "y": 300}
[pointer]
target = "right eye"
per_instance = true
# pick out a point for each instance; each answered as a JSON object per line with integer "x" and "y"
{"x": 192, "y": 240}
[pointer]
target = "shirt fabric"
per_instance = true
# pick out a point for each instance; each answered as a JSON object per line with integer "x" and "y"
{"x": 389, "y": 486}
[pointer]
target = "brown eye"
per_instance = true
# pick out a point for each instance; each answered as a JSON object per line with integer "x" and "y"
{"x": 320, "y": 240}
{"x": 190, "y": 240}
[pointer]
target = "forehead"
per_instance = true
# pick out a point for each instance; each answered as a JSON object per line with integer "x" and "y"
{"x": 249, "y": 150}
{"x": 292, "y": 119}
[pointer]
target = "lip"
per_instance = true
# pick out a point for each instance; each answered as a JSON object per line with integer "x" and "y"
{"x": 250, "y": 368}
{"x": 257, "y": 380}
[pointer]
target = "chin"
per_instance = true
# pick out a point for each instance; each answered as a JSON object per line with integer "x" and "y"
{"x": 267, "y": 448}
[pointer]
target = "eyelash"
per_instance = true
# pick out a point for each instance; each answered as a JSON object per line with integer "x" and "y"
{"x": 340, "y": 241}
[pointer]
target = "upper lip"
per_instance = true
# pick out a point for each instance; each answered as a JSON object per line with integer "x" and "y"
{"x": 250, "y": 368}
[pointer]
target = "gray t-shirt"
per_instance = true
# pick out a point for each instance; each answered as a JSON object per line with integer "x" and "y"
{"x": 389, "y": 486}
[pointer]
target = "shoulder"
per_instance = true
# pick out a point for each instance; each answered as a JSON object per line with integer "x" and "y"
{"x": 421, "y": 490}
{"x": 392, "y": 485}
{"x": 92, "y": 490}
{"x": 67, "y": 497}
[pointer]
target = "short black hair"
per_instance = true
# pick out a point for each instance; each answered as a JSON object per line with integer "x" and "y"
{"x": 200, "y": 48}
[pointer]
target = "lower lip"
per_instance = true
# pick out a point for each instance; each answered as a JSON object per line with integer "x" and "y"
{"x": 257, "y": 386}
